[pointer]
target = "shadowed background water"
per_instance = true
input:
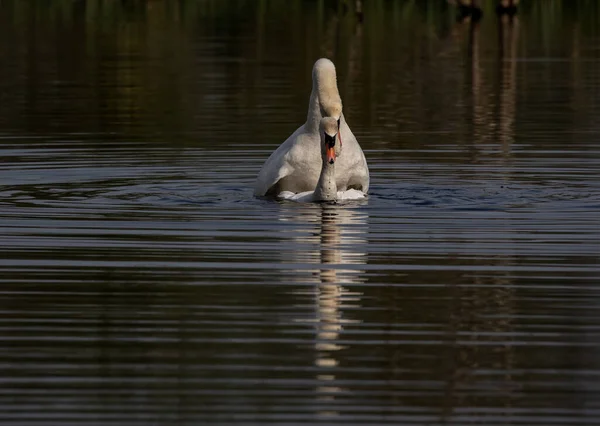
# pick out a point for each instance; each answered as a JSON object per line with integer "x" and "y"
{"x": 141, "y": 283}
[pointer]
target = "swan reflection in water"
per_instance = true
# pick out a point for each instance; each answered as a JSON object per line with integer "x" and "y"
{"x": 338, "y": 244}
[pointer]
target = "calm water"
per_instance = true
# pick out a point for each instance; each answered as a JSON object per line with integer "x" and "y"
{"x": 141, "y": 283}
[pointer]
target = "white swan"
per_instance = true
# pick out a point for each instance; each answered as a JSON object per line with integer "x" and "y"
{"x": 326, "y": 189}
{"x": 294, "y": 166}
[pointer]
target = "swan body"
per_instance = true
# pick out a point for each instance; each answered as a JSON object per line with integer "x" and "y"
{"x": 295, "y": 165}
{"x": 326, "y": 188}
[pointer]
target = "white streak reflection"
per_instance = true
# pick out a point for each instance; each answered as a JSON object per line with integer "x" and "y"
{"x": 338, "y": 244}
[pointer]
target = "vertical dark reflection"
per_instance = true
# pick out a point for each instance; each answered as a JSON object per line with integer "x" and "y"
{"x": 478, "y": 338}
{"x": 508, "y": 39}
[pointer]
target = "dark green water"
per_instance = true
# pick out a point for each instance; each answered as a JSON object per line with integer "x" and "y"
{"x": 142, "y": 284}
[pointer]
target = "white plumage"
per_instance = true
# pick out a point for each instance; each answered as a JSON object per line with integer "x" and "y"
{"x": 295, "y": 165}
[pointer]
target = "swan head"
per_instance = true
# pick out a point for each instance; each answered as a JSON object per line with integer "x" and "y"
{"x": 325, "y": 81}
{"x": 328, "y": 129}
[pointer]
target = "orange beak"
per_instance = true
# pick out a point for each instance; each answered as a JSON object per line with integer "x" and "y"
{"x": 330, "y": 154}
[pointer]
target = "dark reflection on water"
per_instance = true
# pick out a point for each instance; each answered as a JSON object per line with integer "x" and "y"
{"x": 141, "y": 283}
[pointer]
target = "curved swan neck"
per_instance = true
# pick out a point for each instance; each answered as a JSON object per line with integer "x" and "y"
{"x": 324, "y": 97}
{"x": 314, "y": 110}
{"x": 326, "y": 189}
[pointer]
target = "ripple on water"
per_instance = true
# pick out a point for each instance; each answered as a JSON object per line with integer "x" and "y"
{"x": 133, "y": 293}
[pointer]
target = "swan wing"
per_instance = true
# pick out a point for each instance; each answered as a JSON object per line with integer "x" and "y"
{"x": 360, "y": 177}
{"x": 275, "y": 168}
{"x": 299, "y": 156}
